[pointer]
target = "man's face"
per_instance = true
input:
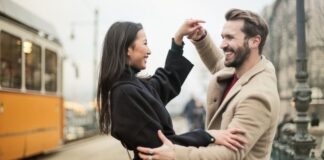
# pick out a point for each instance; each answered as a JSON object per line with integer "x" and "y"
{"x": 234, "y": 44}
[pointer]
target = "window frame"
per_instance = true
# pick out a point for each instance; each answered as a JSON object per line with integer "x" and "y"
{"x": 57, "y": 70}
{"x": 25, "y": 67}
{"x": 21, "y": 63}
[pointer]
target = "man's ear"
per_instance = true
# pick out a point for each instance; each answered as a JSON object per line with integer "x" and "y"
{"x": 255, "y": 41}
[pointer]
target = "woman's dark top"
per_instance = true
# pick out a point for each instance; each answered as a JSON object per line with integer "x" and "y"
{"x": 138, "y": 105}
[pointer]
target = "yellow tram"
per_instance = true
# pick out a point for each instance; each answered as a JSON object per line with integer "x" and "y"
{"x": 31, "y": 101}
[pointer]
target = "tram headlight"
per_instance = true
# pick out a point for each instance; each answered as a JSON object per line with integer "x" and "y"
{"x": 27, "y": 47}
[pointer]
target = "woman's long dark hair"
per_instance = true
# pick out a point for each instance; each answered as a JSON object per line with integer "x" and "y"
{"x": 119, "y": 38}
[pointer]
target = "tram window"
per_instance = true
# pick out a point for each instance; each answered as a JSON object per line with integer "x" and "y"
{"x": 33, "y": 65}
{"x": 10, "y": 60}
{"x": 50, "y": 71}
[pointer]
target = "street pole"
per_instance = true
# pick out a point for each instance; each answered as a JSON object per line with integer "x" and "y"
{"x": 95, "y": 46}
{"x": 302, "y": 142}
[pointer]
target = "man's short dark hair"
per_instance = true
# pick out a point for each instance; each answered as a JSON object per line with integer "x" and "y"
{"x": 253, "y": 24}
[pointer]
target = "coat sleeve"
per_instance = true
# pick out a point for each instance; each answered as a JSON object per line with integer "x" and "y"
{"x": 167, "y": 81}
{"x": 135, "y": 123}
{"x": 211, "y": 55}
{"x": 196, "y": 138}
{"x": 254, "y": 124}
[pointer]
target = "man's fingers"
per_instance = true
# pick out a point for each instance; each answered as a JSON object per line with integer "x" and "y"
{"x": 194, "y": 34}
{"x": 155, "y": 153}
{"x": 163, "y": 138}
{"x": 145, "y": 150}
{"x": 148, "y": 157}
{"x": 190, "y": 35}
{"x": 194, "y": 29}
{"x": 143, "y": 156}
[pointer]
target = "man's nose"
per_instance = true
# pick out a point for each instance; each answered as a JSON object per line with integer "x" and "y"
{"x": 224, "y": 44}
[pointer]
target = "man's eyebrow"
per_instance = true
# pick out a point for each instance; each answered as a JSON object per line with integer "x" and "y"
{"x": 227, "y": 35}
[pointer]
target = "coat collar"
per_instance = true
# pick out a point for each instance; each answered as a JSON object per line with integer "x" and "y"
{"x": 227, "y": 73}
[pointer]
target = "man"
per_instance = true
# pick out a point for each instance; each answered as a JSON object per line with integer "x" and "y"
{"x": 188, "y": 112}
{"x": 242, "y": 94}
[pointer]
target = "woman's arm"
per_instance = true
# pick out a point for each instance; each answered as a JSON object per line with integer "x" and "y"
{"x": 167, "y": 81}
{"x": 135, "y": 121}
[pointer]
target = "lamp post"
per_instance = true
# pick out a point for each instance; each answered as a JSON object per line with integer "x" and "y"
{"x": 95, "y": 45}
{"x": 302, "y": 142}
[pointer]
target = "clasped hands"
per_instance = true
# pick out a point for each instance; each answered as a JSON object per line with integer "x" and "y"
{"x": 191, "y": 28}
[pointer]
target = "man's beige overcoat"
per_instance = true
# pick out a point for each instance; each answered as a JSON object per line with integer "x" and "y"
{"x": 252, "y": 104}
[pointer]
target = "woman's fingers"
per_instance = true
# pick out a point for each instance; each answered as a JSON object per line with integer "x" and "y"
{"x": 195, "y": 21}
{"x": 236, "y": 134}
{"x": 239, "y": 139}
{"x": 237, "y": 131}
{"x": 235, "y": 143}
{"x": 230, "y": 146}
{"x": 234, "y": 139}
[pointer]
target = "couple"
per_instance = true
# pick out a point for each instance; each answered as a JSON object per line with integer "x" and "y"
{"x": 242, "y": 98}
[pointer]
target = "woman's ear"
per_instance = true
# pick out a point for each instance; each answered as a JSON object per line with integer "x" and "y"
{"x": 129, "y": 51}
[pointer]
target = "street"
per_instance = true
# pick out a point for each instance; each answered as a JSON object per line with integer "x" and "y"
{"x": 100, "y": 147}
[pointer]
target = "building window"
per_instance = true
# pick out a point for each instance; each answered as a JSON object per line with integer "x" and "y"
{"x": 33, "y": 65}
{"x": 10, "y": 60}
{"x": 50, "y": 71}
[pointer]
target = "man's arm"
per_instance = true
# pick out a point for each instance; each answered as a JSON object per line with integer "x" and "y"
{"x": 211, "y": 55}
{"x": 228, "y": 138}
{"x": 252, "y": 115}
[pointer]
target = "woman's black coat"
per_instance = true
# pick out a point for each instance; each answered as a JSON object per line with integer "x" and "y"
{"x": 138, "y": 105}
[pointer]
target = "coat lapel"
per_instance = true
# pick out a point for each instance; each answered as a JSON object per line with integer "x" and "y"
{"x": 227, "y": 73}
{"x": 234, "y": 90}
{"x": 221, "y": 77}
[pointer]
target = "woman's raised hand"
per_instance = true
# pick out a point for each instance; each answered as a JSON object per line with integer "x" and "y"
{"x": 189, "y": 27}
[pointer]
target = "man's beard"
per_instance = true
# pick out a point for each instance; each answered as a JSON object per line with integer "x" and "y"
{"x": 240, "y": 55}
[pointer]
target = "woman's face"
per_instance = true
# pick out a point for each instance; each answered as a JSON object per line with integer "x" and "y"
{"x": 138, "y": 52}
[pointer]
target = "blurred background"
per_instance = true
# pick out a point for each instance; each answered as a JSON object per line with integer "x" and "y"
{"x": 62, "y": 40}
{"x": 74, "y": 23}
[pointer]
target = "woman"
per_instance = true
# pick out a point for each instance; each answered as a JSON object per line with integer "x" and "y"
{"x": 133, "y": 109}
